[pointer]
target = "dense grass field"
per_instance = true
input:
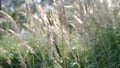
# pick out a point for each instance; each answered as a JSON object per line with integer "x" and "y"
{"x": 72, "y": 34}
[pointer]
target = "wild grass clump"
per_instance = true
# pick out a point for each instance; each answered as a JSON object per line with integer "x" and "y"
{"x": 29, "y": 54}
{"x": 106, "y": 50}
{"x": 26, "y": 55}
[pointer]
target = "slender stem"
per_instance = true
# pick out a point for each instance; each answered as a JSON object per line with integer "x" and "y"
{"x": 0, "y": 5}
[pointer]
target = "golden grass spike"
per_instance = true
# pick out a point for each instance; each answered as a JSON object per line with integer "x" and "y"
{"x": 11, "y": 20}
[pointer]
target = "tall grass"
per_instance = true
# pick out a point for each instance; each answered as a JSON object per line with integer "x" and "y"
{"x": 73, "y": 34}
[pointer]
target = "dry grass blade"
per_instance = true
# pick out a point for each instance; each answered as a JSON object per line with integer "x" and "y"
{"x": 3, "y": 31}
{"x": 11, "y": 20}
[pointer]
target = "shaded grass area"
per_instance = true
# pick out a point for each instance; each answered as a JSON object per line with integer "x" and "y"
{"x": 106, "y": 49}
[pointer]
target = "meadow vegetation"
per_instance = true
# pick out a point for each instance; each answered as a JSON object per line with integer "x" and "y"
{"x": 69, "y": 34}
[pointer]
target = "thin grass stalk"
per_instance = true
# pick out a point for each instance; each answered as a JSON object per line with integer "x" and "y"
{"x": 21, "y": 59}
{"x": 52, "y": 50}
{"x": 64, "y": 31}
{"x": 3, "y": 31}
{"x": 30, "y": 21}
{"x": 49, "y": 43}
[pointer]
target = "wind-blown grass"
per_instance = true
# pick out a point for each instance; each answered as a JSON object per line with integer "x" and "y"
{"x": 73, "y": 34}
